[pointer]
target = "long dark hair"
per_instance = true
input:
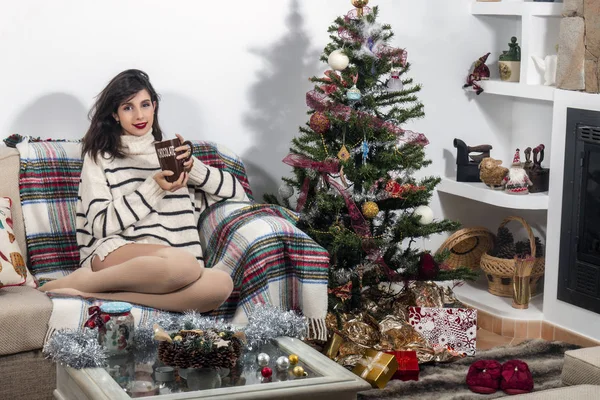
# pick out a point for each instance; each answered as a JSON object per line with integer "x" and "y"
{"x": 104, "y": 133}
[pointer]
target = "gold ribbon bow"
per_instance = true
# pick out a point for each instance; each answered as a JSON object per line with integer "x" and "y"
{"x": 372, "y": 363}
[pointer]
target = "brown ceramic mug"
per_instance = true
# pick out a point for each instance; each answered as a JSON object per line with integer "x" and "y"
{"x": 165, "y": 151}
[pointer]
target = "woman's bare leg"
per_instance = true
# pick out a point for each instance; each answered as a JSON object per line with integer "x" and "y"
{"x": 142, "y": 268}
{"x": 205, "y": 294}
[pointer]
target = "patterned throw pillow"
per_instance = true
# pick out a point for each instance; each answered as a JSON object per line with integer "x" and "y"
{"x": 13, "y": 271}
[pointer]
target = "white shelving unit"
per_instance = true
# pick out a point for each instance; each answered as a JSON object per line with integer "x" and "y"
{"x": 518, "y": 8}
{"x": 536, "y": 25}
{"x": 475, "y": 294}
{"x": 514, "y": 89}
{"x": 480, "y": 192}
{"x": 537, "y": 36}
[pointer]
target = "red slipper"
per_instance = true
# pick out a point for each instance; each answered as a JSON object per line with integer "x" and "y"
{"x": 516, "y": 377}
{"x": 484, "y": 376}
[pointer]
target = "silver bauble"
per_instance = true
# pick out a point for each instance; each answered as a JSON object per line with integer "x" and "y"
{"x": 286, "y": 191}
{"x": 263, "y": 359}
{"x": 283, "y": 363}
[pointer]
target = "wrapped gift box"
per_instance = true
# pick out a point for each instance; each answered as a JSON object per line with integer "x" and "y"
{"x": 376, "y": 368}
{"x": 408, "y": 365}
{"x": 454, "y": 328}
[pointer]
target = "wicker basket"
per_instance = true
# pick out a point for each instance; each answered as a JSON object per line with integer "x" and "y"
{"x": 500, "y": 271}
{"x": 466, "y": 247}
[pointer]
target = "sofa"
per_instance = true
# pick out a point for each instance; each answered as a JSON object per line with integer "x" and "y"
{"x": 26, "y": 313}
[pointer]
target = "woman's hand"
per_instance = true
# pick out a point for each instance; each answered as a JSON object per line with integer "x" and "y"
{"x": 167, "y": 186}
{"x": 186, "y": 152}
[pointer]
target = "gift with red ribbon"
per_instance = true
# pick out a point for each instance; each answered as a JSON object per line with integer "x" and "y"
{"x": 408, "y": 365}
{"x": 97, "y": 319}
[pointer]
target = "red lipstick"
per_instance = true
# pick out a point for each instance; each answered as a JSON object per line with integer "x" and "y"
{"x": 140, "y": 126}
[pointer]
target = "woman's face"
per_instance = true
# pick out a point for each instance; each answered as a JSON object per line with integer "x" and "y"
{"x": 136, "y": 115}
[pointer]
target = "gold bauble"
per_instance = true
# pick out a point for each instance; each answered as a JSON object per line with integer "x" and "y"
{"x": 293, "y": 359}
{"x": 298, "y": 371}
{"x": 222, "y": 334}
{"x": 370, "y": 209}
{"x": 178, "y": 338}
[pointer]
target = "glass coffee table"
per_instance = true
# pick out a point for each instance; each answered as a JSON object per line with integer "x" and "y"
{"x": 127, "y": 377}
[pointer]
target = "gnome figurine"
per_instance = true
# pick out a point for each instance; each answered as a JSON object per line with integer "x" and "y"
{"x": 517, "y": 181}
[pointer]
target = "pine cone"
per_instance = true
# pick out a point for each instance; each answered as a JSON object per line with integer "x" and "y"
{"x": 523, "y": 247}
{"x": 508, "y": 251}
{"x": 504, "y": 244}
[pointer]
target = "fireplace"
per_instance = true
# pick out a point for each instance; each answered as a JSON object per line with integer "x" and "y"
{"x": 579, "y": 261}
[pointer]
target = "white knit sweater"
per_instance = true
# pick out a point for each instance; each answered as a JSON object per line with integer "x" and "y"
{"x": 120, "y": 202}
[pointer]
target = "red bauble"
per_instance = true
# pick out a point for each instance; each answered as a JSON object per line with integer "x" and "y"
{"x": 266, "y": 372}
{"x": 428, "y": 268}
{"x": 319, "y": 122}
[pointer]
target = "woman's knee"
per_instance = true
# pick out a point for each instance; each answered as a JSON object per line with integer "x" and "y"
{"x": 182, "y": 268}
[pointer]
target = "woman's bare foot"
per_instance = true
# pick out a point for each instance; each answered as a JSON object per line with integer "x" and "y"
{"x": 76, "y": 279}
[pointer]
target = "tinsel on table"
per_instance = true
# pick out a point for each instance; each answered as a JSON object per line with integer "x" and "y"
{"x": 76, "y": 349}
{"x": 266, "y": 323}
{"x": 80, "y": 348}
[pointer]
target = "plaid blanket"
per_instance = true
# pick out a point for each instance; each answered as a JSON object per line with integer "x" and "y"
{"x": 270, "y": 260}
{"x": 297, "y": 279}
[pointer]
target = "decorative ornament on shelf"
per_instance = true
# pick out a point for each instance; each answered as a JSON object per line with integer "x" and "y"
{"x": 467, "y": 164}
{"x": 509, "y": 62}
{"x": 492, "y": 173}
{"x": 370, "y": 209}
{"x": 394, "y": 84}
{"x": 283, "y": 363}
{"x": 319, "y": 122}
{"x": 517, "y": 181}
{"x": 359, "y": 4}
{"x": 266, "y": 372}
{"x": 337, "y": 60}
{"x": 263, "y": 359}
{"x": 548, "y": 67}
{"x": 480, "y": 72}
{"x": 425, "y": 213}
{"x": 540, "y": 177}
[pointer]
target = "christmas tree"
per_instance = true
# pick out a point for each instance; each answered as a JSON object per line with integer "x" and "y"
{"x": 353, "y": 164}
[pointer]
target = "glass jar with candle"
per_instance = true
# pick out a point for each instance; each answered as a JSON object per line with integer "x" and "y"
{"x": 117, "y": 333}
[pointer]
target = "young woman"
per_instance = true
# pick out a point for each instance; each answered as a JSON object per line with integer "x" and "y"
{"x": 137, "y": 233}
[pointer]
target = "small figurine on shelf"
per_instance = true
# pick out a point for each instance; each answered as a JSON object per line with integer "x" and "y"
{"x": 517, "y": 181}
{"x": 538, "y": 175}
{"x": 509, "y": 62}
{"x": 467, "y": 163}
{"x": 479, "y": 72}
{"x": 492, "y": 173}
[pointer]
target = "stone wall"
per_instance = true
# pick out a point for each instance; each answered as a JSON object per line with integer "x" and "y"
{"x": 579, "y": 46}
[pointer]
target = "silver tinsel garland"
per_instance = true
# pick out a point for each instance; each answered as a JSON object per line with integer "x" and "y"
{"x": 76, "y": 349}
{"x": 80, "y": 348}
{"x": 268, "y": 322}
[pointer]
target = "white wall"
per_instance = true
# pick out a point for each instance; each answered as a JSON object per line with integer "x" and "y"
{"x": 558, "y": 312}
{"x": 232, "y": 71}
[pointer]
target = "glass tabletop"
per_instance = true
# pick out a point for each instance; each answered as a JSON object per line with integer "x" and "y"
{"x": 145, "y": 375}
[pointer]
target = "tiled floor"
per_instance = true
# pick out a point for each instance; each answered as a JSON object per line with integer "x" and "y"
{"x": 486, "y": 340}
